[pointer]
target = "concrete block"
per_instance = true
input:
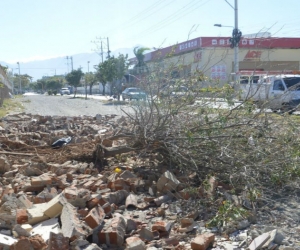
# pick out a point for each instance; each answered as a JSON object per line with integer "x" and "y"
{"x": 72, "y": 227}
{"x": 27, "y": 203}
{"x": 259, "y": 241}
{"x": 146, "y": 235}
{"x": 55, "y": 206}
{"x": 167, "y": 182}
{"x": 135, "y": 243}
{"x": 36, "y": 213}
{"x": 115, "y": 197}
{"x": 6, "y": 241}
{"x": 27, "y": 227}
{"x": 46, "y": 227}
{"x": 131, "y": 201}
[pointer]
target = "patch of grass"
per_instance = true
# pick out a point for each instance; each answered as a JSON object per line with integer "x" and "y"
{"x": 11, "y": 105}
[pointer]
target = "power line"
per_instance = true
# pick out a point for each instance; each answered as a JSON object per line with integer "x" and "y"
{"x": 152, "y": 9}
{"x": 173, "y": 17}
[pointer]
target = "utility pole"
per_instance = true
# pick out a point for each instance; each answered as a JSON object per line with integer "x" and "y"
{"x": 101, "y": 52}
{"x": 236, "y": 36}
{"x": 108, "y": 51}
{"x": 71, "y": 59}
{"x": 20, "y": 85}
{"x": 236, "y": 48}
{"x": 67, "y": 63}
{"x": 99, "y": 49}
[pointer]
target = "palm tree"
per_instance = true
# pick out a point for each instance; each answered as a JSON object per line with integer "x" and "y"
{"x": 139, "y": 54}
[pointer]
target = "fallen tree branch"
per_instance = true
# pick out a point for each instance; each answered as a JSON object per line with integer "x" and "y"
{"x": 14, "y": 153}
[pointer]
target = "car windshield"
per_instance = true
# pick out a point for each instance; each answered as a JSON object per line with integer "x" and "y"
{"x": 135, "y": 90}
{"x": 292, "y": 83}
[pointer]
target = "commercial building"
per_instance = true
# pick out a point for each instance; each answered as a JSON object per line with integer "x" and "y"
{"x": 214, "y": 57}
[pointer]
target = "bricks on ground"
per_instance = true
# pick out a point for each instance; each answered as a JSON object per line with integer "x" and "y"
{"x": 73, "y": 205}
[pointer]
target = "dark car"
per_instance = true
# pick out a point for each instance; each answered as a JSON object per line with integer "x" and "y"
{"x": 133, "y": 93}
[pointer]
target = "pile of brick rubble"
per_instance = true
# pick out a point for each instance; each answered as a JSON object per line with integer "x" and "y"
{"x": 75, "y": 197}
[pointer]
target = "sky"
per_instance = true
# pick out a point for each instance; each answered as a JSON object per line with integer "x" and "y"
{"x": 42, "y": 29}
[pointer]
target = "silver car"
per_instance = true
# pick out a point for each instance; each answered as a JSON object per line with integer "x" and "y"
{"x": 133, "y": 93}
{"x": 65, "y": 91}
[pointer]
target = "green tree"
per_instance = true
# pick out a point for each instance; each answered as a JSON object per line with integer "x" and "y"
{"x": 140, "y": 65}
{"x": 25, "y": 81}
{"x": 90, "y": 79}
{"x": 41, "y": 85}
{"x": 111, "y": 70}
{"x": 54, "y": 83}
{"x": 73, "y": 78}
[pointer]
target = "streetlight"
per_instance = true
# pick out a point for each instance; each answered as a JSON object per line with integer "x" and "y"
{"x": 220, "y": 25}
{"x": 20, "y": 86}
{"x": 236, "y": 35}
{"x": 12, "y": 80}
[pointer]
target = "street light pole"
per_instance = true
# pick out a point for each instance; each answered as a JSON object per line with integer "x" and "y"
{"x": 235, "y": 43}
{"x": 236, "y": 48}
{"x": 20, "y": 86}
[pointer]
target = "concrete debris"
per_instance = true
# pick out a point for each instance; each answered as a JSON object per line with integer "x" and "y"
{"x": 96, "y": 193}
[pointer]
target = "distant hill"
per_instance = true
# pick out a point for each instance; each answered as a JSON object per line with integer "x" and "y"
{"x": 61, "y": 66}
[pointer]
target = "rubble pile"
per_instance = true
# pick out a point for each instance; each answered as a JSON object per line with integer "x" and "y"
{"x": 76, "y": 197}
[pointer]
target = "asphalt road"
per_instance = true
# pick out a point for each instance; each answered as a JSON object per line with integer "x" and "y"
{"x": 68, "y": 106}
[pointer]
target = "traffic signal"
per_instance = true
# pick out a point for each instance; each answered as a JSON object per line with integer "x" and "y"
{"x": 235, "y": 39}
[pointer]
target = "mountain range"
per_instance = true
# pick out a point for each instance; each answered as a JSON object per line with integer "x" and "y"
{"x": 61, "y": 65}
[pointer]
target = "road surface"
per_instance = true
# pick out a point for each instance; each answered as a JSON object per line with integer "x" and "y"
{"x": 68, "y": 106}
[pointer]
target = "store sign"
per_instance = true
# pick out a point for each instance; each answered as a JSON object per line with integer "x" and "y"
{"x": 218, "y": 72}
{"x": 253, "y": 55}
{"x": 188, "y": 45}
{"x": 226, "y": 42}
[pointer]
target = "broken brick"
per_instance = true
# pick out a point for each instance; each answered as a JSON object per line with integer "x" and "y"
{"x": 95, "y": 217}
{"x": 113, "y": 231}
{"x": 203, "y": 241}
{"x": 21, "y": 216}
{"x": 58, "y": 241}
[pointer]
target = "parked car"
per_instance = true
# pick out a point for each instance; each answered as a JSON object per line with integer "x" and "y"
{"x": 174, "y": 91}
{"x": 133, "y": 93}
{"x": 64, "y": 91}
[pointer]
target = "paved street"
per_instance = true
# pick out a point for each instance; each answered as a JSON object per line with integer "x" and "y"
{"x": 68, "y": 106}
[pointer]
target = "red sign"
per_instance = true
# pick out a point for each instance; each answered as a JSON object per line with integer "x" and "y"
{"x": 253, "y": 55}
